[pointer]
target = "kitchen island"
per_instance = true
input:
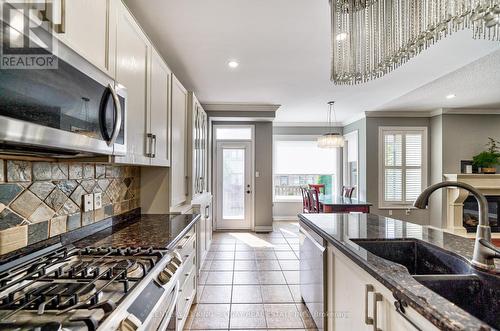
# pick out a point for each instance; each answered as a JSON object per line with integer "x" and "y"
{"x": 365, "y": 291}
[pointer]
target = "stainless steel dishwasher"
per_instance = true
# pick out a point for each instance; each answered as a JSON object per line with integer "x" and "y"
{"x": 313, "y": 274}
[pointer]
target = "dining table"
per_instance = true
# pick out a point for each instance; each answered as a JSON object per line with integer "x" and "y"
{"x": 341, "y": 204}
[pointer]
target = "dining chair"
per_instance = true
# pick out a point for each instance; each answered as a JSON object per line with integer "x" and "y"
{"x": 347, "y": 191}
{"x": 306, "y": 200}
{"x": 318, "y": 187}
{"x": 314, "y": 201}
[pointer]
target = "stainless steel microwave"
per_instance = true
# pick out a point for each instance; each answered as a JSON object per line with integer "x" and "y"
{"x": 72, "y": 110}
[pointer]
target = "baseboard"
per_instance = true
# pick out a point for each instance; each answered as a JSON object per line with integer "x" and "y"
{"x": 285, "y": 218}
{"x": 263, "y": 228}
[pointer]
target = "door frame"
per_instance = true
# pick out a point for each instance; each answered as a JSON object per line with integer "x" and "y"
{"x": 215, "y": 188}
{"x": 348, "y": 136}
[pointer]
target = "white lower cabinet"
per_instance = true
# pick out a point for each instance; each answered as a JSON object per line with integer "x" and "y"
{"x": 357, "y": 301}
{"x": 188, "y": 280}
{"x": 202, "y": 204}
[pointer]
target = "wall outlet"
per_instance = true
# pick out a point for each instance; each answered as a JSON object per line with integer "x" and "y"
{"x": 97, "y": 201}
{"x": 390, "y": 212}
{"x": 88, "y": 202}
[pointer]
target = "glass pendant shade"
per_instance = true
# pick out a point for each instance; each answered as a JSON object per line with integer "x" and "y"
{"x": 331, "y": 140}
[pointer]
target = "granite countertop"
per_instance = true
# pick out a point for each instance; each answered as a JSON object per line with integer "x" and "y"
{"x": 157, "y": 231}
{"x": 338, "y": 229}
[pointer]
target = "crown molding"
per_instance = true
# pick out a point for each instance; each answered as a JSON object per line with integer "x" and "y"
{"x": 398, "y": 113}
{"x": 466, "y": 111}
{"x": 306, "y": 124}
{"x": 353, "y": 119}
{"x": 240, "y": 107}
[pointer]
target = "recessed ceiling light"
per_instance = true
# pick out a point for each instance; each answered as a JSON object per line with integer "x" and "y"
{"x": 233, "y": 64}
{"x": 450, "y": 96}
{"x": 341, "y": 36}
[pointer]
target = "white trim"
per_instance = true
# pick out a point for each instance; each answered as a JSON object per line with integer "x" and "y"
{"x": 353, "y": 119}
{"x": 382, "y": 204}
{"x": 354, "y": 133}
{"x": 215, "y": 171}
{"x": 433, "y": 112}
{"x": 263, "y": 228}
{"x": 307, "y": 124}
{"x": 240, "y": 107}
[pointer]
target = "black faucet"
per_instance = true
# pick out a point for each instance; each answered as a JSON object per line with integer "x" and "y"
{"x": 484, "y": 251}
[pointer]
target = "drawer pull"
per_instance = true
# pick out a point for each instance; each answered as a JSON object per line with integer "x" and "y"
{"x": 368, "y": 288}
{"x": 376, "y": 298}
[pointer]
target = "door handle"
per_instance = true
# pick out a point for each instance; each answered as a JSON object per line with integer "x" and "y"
{"x": 149, "y": 143}
{"x": 118, "y": 116}
{"x": 376, "y": 298}
{"x": 368, "y": 288}
{"x": 153, "y": 153}
{"x": 248, "y": 192}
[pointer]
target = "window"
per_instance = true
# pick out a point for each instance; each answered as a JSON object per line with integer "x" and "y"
{"x": 299, "y": 162}
{"x": 402, "y": 165}
{"x": 233, "y": 133}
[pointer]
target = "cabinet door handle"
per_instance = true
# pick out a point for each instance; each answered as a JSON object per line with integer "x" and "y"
{"x": 149, "y": 145}
{"x": 376, "y": 298}
{"x": 153, "y": 142}
{"x": 368, "y": 288}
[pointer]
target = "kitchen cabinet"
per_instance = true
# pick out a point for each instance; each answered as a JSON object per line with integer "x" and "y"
{"x": 202, "y": 205}
{"x": 178, "y": 170}
{"x": 186, "y": 249}
{"x": 357, "y": 301}
{"x": 132, "y": 54}
{"x": 198, "y": 141}
{"x": 158, "y": 119}
{"x": 89, "y": 28}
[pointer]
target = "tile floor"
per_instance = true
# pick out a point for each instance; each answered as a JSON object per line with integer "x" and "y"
{"x": 251, "y": 282}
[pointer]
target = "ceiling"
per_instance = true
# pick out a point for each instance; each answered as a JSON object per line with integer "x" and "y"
{"x": 283, "y": 48}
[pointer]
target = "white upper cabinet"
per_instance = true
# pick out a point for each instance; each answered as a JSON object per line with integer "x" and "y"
{"x": 198, "y": 121}
{"x": 132, "y": 54}
{"x": 159, "y": 112}
{"x": 178, "y": 171}
{"x": 88, "y": 27}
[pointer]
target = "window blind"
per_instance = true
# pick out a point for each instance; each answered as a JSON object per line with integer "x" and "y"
{"x": 403, "y": 169}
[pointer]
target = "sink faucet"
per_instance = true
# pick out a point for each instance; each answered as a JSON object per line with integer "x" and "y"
{"x": 484, "y": 251}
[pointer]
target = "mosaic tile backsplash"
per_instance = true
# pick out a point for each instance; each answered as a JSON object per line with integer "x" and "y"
{"x": 39, "y": 200}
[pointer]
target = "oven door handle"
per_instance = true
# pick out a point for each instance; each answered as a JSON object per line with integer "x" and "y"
{"x": 118, "y": 116}
{"x": 173, "y": 304}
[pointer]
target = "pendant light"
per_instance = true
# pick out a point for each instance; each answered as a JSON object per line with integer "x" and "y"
{"x": 331, "y": 139}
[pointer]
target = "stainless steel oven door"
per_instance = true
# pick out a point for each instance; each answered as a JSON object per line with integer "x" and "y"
{"x": 313, "y": 275}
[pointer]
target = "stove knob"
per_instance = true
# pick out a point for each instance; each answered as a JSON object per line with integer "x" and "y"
{"x": 164, "y": 277}
{"x": 130, "y": 323}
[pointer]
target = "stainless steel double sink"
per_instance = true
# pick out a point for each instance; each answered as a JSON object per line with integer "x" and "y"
{"x": 445, "y": 273}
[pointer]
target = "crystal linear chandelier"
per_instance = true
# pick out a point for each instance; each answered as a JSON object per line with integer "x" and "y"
{"x": 331, "y": 139}
{"x": 370, "y": 38}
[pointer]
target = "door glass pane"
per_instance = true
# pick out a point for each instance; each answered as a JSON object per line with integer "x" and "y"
{"x": 241, "y": 133}
{"x": 233, "y": 183}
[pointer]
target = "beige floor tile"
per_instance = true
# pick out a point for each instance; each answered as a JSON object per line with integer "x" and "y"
{"x": 289, "y": 265}
{"x": 246, "y": 294}
{"x": 245, "y": 265}
{"x": 268, "y": 265}
{"x": 282, "y": 247}
{"x": 219, "y": 278}
{"x": 246, "y": 255}
{"x": 223, "y": 256}
{"x": 211, "y": 316}
{"x": 250, "y": 316}
{"x": 288, "y": 255}
{"x": 246, "y": 277}
{"x": 265, "y": 255}
{"x": 210, "y": 255}
{"x": 202, "y": 279}
{"x": 206, "y": 265}
{"x": 216, "y": 294}
{"x": 292, "y": 277}
{"x": 271, "y": 278}
{"x": 244, "y": 248}
{"x": 282, "y": 316}
{"x": 295, "y": 290}
{"x": 276, "y": 294}
{"x": 221, "y": 265}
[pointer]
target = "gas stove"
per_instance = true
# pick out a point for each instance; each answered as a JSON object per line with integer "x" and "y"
{"x": 92, "y": 288}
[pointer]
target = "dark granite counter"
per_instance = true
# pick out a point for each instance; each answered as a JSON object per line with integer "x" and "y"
{"x": 157, "y": 231}
{"x": 338, "y": 229}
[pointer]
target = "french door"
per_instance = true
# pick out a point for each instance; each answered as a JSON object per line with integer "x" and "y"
{"x": 234, "y": 195}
